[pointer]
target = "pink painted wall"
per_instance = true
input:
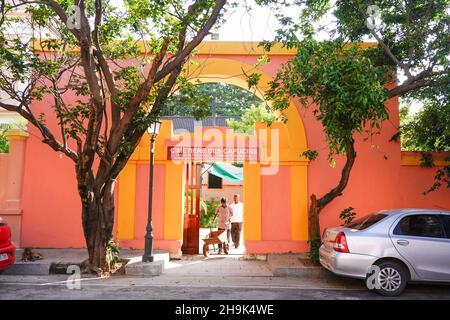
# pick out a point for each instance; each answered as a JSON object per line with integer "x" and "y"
{"x": 50, "y": 202}
{"x": 378, "y": 180}
{"x": 51, "y": 207}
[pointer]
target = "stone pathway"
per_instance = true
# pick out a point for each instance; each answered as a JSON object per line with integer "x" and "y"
{"x": 218, "y": 265}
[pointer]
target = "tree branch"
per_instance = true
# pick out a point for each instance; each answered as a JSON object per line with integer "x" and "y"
{"x": 416, "y": 84}
{"x": 345, "y": 175}
{"x": 180, "y": 56}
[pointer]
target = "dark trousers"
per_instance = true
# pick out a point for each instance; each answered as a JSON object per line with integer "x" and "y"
{"x": 228, "y": 236}
{"x": 236, "y": 228}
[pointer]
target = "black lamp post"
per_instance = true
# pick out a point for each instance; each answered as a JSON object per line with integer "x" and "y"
{"x": 153, "y": 131}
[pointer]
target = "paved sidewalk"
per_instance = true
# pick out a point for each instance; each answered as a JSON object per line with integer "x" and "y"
{"x": 218, "y": 265}
{"x": 215, "y": 265}
{"x": 56, "y": 256}
{"x": 204, "y": 287}
{"x": 219, "y": 277}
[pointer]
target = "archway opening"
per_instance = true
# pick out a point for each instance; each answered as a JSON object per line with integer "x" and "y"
{"x": 272, "y": 229}
{"x": 221, "y": 107}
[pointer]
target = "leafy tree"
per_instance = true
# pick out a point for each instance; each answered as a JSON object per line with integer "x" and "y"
{"x": 413, "y": 41}
{"x": 92, "y": 51}
{"x": 229, "y": 100}
{"x": 426, "y": 131}
{"x": 251, "y": 116}
{"x": 4, "y": 127}
{"x": 208, "y": 209}
{"x": 4, "y": 145}
{"x": 413, "y": 36}
{"x": 347, "y": 93}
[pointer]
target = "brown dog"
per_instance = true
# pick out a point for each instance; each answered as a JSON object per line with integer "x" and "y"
{"x": 29, "y": 255}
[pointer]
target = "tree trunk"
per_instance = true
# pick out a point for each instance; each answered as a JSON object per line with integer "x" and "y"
{"x": 317, "y": 205}
{"x": 313, "y": 219}
{"x": 98, "y": 221}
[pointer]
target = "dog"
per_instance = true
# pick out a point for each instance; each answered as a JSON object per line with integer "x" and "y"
{"x": 29, "y": 255}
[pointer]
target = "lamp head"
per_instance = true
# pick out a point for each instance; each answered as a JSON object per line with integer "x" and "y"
{"x": 154, "y": 127}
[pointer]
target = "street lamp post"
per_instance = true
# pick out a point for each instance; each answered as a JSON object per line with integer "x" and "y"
{"x": 153, "y": 131}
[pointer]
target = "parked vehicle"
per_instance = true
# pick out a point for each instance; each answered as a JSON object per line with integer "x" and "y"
{"x": 391, "y": 248}
{"x": 7, "y": 249}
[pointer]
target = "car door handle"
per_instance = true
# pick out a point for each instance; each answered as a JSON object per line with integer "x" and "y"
{"x": 403, "y": 242}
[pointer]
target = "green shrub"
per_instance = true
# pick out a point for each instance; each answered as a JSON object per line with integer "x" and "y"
{"x": 4, "y": 145}
{"x": 112, "y": 255}
{"x": 347, "y": 215}
{"x": 207, "y": 210}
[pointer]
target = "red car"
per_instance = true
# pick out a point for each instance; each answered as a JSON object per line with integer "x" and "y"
{"x": 7, "y": 249}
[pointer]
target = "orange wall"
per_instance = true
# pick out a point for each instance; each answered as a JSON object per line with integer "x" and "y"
{"x": 51, "y": 207}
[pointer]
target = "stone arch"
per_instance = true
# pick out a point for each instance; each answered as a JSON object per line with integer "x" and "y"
{"x": 260, "y": 234}
{"x": 231, "y": 71}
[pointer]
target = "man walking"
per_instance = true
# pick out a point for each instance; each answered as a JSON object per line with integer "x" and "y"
{"x": 237, "y": 220}
{"x": 224, "y": 212}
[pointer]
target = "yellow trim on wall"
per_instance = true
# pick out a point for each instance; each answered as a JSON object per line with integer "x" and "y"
{"x": 299, "y": 202}
{"x": 414, "y": 159}
{"x": 17, "y": 134}
{"x": 252, "y": 207}
{"x": 127, "y": 202}
{"x": 232, "y": 72}
{"x": 292, "y": 143}
{"x": 246, "y": 48}
{"x": 241, "y": 48}
{"x": 173, "y": 201}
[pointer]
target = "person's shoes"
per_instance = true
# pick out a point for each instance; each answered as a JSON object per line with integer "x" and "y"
{"x": 220, "y": 251}
{"x": 236, "y": 246}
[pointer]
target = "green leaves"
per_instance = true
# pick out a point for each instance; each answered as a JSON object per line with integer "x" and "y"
{"x": 4, "y": 144}
{"x": 196, "y": 100}
{"x": 343, "y": 85}
{"x": 259, "y": 113}
{"x": 253, "y": 79}
{"x": 429, "y": 129}
{"x": 347, "y": 215}
{"x": 310, "y": 154}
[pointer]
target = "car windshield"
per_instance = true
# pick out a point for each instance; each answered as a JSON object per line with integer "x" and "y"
{"x": 365, "y": 222}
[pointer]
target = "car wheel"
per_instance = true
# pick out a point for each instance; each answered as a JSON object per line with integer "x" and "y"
{"x": 391, "y": 279}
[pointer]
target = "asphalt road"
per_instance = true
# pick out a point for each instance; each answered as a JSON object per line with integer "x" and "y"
{"x": 194, "y": 287}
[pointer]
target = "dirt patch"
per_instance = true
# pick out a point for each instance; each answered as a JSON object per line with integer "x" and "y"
{"x": 61, "y": 267}
{"x": 306, "y": 262}
{"x": 120, "y": 269}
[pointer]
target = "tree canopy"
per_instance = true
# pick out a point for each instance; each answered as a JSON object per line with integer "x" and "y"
{"x": 256, "y": 113}
{"x": 121, "y": 60}
{"x": 348, "y": 86}
{"x": 229, "y": 100}
{"x": 345, "y": 88}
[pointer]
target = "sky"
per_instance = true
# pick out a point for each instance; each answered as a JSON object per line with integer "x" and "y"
{"x": 248, "y": 22}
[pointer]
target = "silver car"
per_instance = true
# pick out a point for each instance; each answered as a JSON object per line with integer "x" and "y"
{"x": 390, "y": 248}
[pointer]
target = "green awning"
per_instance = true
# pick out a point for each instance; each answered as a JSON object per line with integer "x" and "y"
{"x": 221, "y": 172}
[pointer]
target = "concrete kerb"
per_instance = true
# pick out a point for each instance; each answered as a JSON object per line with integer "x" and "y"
{"x": 56, "y": 261}
{"x": 135, "y": 267}
{"x": 296, "y": 265}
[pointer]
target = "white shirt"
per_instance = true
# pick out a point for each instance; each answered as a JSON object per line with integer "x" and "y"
{"x": 238, "y": 212}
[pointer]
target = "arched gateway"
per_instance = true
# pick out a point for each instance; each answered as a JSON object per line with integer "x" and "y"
{"x": 275, "y": 181}
{"x": 276, "y": 184}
